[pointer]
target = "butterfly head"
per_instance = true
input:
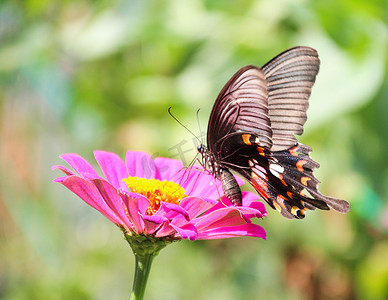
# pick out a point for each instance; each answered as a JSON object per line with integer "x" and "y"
{"x": 208, "y": 160}
{"x": 201, "y": 149}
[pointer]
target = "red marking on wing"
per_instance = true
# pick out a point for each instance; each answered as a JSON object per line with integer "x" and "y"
{"x": 260, "y": 185}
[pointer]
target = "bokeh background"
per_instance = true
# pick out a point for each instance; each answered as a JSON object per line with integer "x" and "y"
{"x": 76, "y": 76}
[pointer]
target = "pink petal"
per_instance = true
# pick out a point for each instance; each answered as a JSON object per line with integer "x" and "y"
{"x": 167, "y": 168}
{"x": 188, "y": 231}
{"x": 250, "y": 229}
{"x": 113, "y": 167}
{"x": 222, "y": 203}
{"x": 239, "y": 180}
{"x": 150, "y": 227}
{"x": 165, "y": 230}
{"x": 195, "y": 206}
{"x": 155, "y": 219}
{"x": 199, "y": 183}
{"x": 172, "y": 211}
{"x": 136, "y": 206}
{"x": 112, "y": 199}
{"x": 80, "y": 165}
{"x": 140, "y": 164}
{"x": 212, "y": 201}
{"x": 249, "y": 197}
{"x": 250, "y": 200}
{"x": 63, "y": 169}
{"x": 142, "y": 203}
{"x": 219, "y": 218}
{"x": 88, "y": 192}
{"x": 255, "y": 208}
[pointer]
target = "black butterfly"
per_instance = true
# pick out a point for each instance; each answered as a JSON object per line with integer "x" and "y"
{"x": 252, "y": 131}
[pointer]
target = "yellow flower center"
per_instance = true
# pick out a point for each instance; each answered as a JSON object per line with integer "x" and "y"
{"x": 156, "y": 191}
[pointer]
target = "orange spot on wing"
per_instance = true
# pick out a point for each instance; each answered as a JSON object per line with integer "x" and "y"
{"x": 281, "y": 179}
{"x": 303, "y": 211}
{"x": 261, "y": 151}
{"x": 245, "y": 138}
{"x": 260, "y": 185}
{"x": 294, "y": 210}
{"x": 277, "y": 206}
{"x": 293, "y": 151}
{"x": 299, "y": 165}
{"x": 304, "y": 180}
{"x": 289, "y": 194}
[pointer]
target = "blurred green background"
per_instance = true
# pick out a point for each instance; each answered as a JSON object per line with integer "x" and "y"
{"x": 76, "y": 76}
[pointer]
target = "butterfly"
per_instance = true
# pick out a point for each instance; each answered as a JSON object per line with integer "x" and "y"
{"x": 252, "y": 130}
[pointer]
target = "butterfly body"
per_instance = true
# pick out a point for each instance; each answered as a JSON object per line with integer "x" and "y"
{"x": 252, "y": 130}
{"x": 229, "y": 183}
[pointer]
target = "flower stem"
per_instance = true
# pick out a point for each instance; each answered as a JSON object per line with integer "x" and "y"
{"x": 143, "y": 267}
{"x": 145, "y": 249}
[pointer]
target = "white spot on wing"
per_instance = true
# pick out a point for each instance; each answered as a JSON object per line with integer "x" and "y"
{"x": 276, "y": 169}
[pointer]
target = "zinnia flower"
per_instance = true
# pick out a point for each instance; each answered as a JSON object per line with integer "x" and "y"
{"x": 159, "y": 198}
{"x": 155, "y": 202}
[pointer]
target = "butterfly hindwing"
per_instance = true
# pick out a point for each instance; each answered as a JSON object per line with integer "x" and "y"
{"x": 252, "y": 160}
{"x": 298, "y": 171}
{"x": 276, "y": 192}
{"x": 285, "y": 179}
{"x": 290, "y": 77}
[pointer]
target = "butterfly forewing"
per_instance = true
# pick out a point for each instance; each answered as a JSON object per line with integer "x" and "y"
{"x": 241, "y": 106}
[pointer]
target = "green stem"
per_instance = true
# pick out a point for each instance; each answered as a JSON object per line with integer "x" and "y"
{"x": 145, "y": 248}
{"x": 143, "y": 267}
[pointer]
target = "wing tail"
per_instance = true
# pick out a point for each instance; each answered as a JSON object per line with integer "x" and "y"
{"x": 297, "y": 172}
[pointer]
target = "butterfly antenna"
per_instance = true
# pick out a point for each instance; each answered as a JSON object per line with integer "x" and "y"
{"x": 180, "y": 123}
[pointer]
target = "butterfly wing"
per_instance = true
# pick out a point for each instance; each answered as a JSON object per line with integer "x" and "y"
{"x": 295, "y": 169}
{"x": 270, "y": 102}
{"x": 241, "y": 106}
{"x": 252, "y": 131}
{"x": 290, "y": 77}
{"x": 284, "y": 179}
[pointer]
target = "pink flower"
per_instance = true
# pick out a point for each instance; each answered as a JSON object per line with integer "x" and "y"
{"x": 160, "y": 198}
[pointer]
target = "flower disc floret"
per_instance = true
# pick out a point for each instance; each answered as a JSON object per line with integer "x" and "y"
{"x": 156, "y": 191}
